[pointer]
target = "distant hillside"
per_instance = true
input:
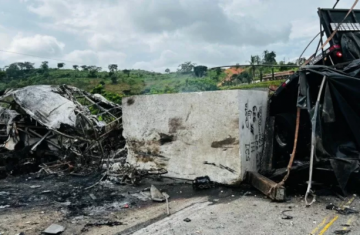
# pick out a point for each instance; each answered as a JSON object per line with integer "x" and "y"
{"x": 117, "y": 84}
{"x": 120, "y": 83}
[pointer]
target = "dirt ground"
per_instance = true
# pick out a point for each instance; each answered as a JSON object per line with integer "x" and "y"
{"x": 29, "y": 204}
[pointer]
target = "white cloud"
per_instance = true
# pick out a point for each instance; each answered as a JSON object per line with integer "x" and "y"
{"x": 20, "y": 47}
{"x": 41, "y": 45}
{"x": 53, "y": 9}
{"x": 157, "y": 34}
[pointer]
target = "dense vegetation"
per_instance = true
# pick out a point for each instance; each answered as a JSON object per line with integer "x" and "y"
{"x": 115, "y": 83}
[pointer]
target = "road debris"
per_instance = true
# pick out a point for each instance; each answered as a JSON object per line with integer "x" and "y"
{"x": 156, "y": 195}
{"x": 93, "y": 197}
{"x": 167, "y": 202}
{"x": 187, "y": 220}
{"x": 342, "y": 211}
{"x": 35, "y": 186}
{"x": 54, "y": 229}
{"x": 101, "y": 223}
{"x": 342, "y": 231}
{"x": 286, "y": 216}
{"x": 202, "y": 182}
{"x": 267, "y": 186}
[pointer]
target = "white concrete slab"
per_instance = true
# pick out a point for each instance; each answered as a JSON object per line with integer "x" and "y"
{"x": 196, "y": 134}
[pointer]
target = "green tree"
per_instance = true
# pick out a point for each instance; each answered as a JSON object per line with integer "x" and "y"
{"x": 127, "y": 72}
{"x": 13, "y": 71}
{"x": 218, "y": 71}
{"x": 253, "y": 62}
{"x": 269, "y": 57}
{"x": 282, "y": 68}
{"x": 21, "y": 65}
{"x": 234, "y": 78}
{"x": 261, "y": 69}
{"x": 167, "y": 70}
{"x": 84, "y": 67}
{"x": 99, "y": 89}
{"x": 44, "y": 65}
{"x": 60, "y": 65}
{"x": 2, "y": 76}
{"x": 245, "y": 77}
{"x": 113, "y": 67}
{"x": 114, "y": 79}
{"x": 291, "y": 63}
{"x": 93, "y": 71}
{"x": 76, "y": 67}
{"x": 28, "y": 65}
{"x": 186, "y": 67}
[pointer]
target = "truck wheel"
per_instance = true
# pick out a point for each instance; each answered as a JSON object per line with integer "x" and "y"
{"x": 285, "y": 132}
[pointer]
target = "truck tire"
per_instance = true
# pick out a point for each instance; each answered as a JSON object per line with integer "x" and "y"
{"x": 284, "y": 132}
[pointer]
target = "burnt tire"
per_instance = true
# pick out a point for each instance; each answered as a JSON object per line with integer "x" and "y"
{"x": 284, "y": 132}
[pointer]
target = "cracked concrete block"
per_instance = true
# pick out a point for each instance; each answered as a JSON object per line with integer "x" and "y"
{"x": 216, "y": 133}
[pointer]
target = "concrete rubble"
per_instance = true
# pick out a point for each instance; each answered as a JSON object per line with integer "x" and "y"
{"x": 54, "y": 229}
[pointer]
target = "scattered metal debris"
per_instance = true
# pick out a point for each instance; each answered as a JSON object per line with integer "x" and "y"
{"x": 54, "y": 229}
{"x": 342, "y": 211}
{"x": 35, "y": 186}
{"x": 203, "y": 182}
{"x": 187, "y": 220}
{"x": 167, "y": 202}
{"x": 101, "y": 223}
{"x": 267, "y": 186}
{"x": 342, "y": 231}
{"x": 156, "y": 195}
{"x": 286, "y": 216}
{"x": 93, "y": 197}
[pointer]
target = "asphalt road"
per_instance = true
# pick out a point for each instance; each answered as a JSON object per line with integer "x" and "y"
{"x": 219, "y": 210}
{"x": 259, "y": 216}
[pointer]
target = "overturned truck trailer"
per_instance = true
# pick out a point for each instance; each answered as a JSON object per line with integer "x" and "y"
{"x": 329, "y": 120}
{"x": 324, "y": 94}
{"x": 50, "y": 126}
{"x": 219, "y": 133}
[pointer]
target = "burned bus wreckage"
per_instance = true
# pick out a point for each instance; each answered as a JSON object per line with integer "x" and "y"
{"x": 58, "y": 128}
{"x": 62, "y": 129}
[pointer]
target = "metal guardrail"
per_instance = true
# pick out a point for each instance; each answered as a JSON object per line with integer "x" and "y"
{"x": 278, "y": 75}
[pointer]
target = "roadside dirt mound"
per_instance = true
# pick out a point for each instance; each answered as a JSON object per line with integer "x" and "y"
{"x": 229, "y": 72}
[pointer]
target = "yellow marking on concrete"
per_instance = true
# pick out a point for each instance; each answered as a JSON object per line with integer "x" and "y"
{"x": 327, "y": 226}
{"x": 313, "y": 232}
{"x": 349, "y": 202}
{"x": 349, "y": 222}
{"x": 342, "y": 205}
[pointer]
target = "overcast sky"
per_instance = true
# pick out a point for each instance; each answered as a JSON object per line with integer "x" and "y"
{"x": 156, "y": 34}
